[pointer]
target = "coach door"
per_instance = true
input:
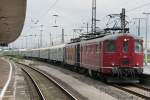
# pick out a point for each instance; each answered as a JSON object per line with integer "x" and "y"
{"x": 78, "y": 54}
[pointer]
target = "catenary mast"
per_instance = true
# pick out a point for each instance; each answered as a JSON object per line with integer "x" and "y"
{"x": 93, "y": 16}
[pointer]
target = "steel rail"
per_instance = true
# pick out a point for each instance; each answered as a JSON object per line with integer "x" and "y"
{"x": 132, "y": 92}
{"x": 53, "y": 81}
{"x": 142, "y": 87}
{"x": 35, "y": 85}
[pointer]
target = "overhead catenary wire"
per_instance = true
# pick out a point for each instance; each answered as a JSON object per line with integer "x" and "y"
{"x": 38, "y": 19}
{"x": 133, "y": 9}
{"x": 141, "y": 6}
{"x": 42, "y": 15}
{"x": 50, "y": 8}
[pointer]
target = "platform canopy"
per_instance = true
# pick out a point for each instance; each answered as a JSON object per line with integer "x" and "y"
{"x": 12, "y": 16}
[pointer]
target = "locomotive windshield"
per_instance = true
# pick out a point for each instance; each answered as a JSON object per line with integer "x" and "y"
{"x": 138, "y": 46}
{"x": 110, "y": 46}
{"x": 125, "y": 46}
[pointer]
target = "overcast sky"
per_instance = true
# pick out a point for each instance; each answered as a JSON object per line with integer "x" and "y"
{"x": 72, "y": 14}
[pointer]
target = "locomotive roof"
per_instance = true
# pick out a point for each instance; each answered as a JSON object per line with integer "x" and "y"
{"x": 72, "y": 44}
{"x": 112, "y": 37}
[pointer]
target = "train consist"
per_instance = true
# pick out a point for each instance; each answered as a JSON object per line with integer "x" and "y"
{"x": 114, "y": 57}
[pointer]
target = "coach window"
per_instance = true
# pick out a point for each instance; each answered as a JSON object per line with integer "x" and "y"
{"x": 110, "y": 46}
{"x": 125, "y": 46}
{"x": 81, "y": 49}
{"x": 97, "y": 49}
{"x": 138, "y": 46}
{"x": 86, "y": 49}
{"x": 90, "y": 49}
{"x": 59, "y": 50}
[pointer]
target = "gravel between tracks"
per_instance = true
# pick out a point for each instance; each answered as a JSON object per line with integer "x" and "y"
{"x": 87, "y": 87}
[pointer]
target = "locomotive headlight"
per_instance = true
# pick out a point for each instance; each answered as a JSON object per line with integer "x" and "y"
{"x": 113, "y": 64}
{"x": 125, "y": 40}
{"x": 137, "y": 64}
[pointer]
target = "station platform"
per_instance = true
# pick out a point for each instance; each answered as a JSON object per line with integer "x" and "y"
{"x": 5, "y": 76}
{"x": 147, "y": 69}
{"x": 12, "y": 83}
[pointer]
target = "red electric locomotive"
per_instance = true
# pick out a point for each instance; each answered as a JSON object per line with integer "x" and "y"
{"x": 114, "y": 54}
{"x": 117, "y": 57}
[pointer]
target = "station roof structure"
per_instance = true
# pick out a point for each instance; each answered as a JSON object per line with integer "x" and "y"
{"x": 12, "y": 16}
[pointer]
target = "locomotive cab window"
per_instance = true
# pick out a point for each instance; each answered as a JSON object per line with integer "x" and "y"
{"x": 138, "y": 46}
{"x": 110, "y": 46}
{"x": 125, "y": 46}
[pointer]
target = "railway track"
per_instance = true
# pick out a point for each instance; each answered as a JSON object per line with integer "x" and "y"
{"x": 135, "y": 89}
{"x": 138, "y": 90}
{"x": 46, "y": 87}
